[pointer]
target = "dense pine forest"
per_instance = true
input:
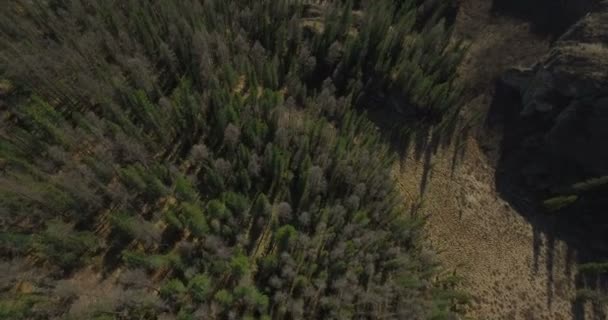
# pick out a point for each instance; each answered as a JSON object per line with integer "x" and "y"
{"x": 212, "y": 159}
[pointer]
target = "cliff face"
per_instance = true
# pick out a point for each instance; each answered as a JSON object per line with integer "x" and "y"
{"x": 558, "y": 128}
{"x": 547, "y": 16}
{"x": 482, "y": 196}
{"x": 568, "y": 93}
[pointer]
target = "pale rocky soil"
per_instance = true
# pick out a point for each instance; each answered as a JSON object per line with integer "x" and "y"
{"x": 512, "y": 270}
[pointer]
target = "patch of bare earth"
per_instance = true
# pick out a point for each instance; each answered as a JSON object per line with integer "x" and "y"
{"x": 512, "y": 270}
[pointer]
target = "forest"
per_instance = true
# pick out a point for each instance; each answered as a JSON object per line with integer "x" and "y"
{"x": 212, "y": 159}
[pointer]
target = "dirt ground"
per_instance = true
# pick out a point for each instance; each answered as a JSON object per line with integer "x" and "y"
{"x": 512, "y": 270}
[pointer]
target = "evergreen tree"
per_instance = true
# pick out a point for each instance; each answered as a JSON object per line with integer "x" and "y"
{"x": 214, "y": 153}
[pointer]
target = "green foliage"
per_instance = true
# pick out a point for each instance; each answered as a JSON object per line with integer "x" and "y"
{"x": 60, "y": 244}
{"x": 218, "y": 147}
{"x": 252, "y": 298}
{"x": 184, "y": 189}
{"x": 590, "y": 184}
{"x": 262, "y": 207}
{"x": 19, "y": 306}
{"x": 200, "y": 287}
{"x": 237, "y": 203}
{"x": 173, "y": 289}
{"x": 224, "y": 298}
{"x": 15, "y": 241}
{"x": 194, "y": 218}
{"x": 593, "y": 268}
{"x": 217, "y": 209}
{"x": 284, "y": 235}
{"x": 133, "y": 179}
{"x": 136, "y": 228}
{"x": 557, "y": 203}
{"x": 239, "y": 265}
{"x": 142, "y": 260}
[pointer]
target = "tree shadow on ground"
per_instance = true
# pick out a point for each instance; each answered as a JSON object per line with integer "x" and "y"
{"x": 419, "y": 139}
{"x": 516, "y": 183}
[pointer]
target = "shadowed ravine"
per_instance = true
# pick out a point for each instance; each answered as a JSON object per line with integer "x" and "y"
{"x": 517, "y": 262}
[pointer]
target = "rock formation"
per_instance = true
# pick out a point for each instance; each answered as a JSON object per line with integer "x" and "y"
{"x": 566, "y": 97}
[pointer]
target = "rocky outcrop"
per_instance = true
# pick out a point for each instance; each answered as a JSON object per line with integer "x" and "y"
{"x": 546, "y": 16}
{"x": 565, "y": 101}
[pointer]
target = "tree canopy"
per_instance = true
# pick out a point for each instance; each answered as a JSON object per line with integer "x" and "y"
{"x": 211, "y": 157}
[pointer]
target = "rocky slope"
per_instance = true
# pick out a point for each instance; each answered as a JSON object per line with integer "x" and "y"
{"x": 557, "y": 126}
{"x": 568, "y": 90}
{"x": 544, "y": 93}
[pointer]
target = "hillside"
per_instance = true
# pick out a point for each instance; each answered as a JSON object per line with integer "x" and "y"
{"x": 211, "y": 159}
{"x": 518, "y": 260}
{"x": 283, "y": 159}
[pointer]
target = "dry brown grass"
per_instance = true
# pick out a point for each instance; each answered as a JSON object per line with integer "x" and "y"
{"x": 510, "y": 268}
{"x": 481, "y": 237}
{"x": 496, "y": 44}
